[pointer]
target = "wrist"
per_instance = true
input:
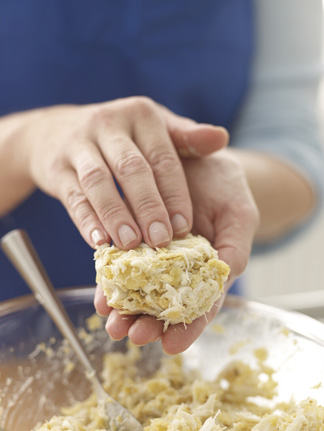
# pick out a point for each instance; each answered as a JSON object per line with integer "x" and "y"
{"x": 15, "y": 180}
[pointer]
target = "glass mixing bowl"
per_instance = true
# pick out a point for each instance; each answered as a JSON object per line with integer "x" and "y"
{"x": 39, "y": 374}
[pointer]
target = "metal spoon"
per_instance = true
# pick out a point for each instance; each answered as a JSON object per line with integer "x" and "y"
{"x": 20, "y": 251}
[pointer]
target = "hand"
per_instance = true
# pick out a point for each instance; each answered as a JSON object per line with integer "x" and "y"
{"x": 75, "y": 151}
{"x": 224, "y": 213}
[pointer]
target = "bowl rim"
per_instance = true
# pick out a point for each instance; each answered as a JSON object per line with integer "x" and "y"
{"x": 25, "y": 301}
{"x": 296, "y": 322}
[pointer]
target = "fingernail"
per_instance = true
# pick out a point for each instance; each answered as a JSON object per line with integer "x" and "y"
{"x": 179, "y": 224}
{"x": 114, "y": 338}
{"x": 101, "y": 315}
{"x": 98, "y": 237}
{"x": 158, "y": 233}
{"x": 183, "y": 152}
{"x": 126, "y": 234}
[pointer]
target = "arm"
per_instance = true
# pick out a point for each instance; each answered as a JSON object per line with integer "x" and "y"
{"x": 15, "y": 181}
{"x": 285, "y": 199}
{"x": 276, "y": 135}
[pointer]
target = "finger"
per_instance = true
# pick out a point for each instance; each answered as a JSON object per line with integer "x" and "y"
{"x": 100, "y": 302}
{"x": 118, "y": 325}
{"x": 99, "y": 187}
{"x": 179, "y": 337}
{"x": 193, "y": 139}
{"x": 80, "y": 209}
{"x": 202, "y": 224}
{"x": 146, "y": 329}
{"x": 136, "y": 179}
{"x": 153, "y": 140}
{"x": 203, "y": 215}
{"x": 234, "y": 233}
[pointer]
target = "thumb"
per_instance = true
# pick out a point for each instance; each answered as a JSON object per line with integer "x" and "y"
{"x": 193, "y": 139}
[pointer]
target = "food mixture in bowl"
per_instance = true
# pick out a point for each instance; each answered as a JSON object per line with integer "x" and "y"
{"x": 177, "y": 283}
{"x": 176, "y": 399}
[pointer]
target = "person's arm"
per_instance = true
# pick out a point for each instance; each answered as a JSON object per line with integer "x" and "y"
{"x": 15, "y": 180}
{"x": 277, "y": 132}
{"x": 285, "y": 199}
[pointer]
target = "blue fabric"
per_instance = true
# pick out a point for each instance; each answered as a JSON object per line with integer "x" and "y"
{"x": 192, "y": 56}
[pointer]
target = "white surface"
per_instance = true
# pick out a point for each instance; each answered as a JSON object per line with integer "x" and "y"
{"x": 292, "y": 277}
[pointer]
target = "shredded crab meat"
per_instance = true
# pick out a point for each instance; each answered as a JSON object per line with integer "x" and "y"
{"x": 174, "y": 399}
{"x": 177, "y": 283}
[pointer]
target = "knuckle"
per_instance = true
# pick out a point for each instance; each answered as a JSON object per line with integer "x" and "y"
{"x": 163, "y": 161}
{"x": 91, "y": 175}
{"x": 121, "y": 142}
{"x": 175, "y": 199}
{"x": 143, "y": 105}
{"x": 111, "y": 212}
{"x": 84, "y": 220}
{"x": 77, "y": 204}
{"x": 100, "y": 115}
{"x": 56, "y": 165}
{"x": 130, "y": 165}
{"x": 148, "y": 205}
{"x": 75, "y": 198}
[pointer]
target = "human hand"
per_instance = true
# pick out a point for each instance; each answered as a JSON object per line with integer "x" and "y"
{"x": 75, "y": 151}
{"x": 224, "y": 213}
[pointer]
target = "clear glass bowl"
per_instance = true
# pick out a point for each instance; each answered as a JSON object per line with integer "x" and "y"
{"x": 37, "y": 373}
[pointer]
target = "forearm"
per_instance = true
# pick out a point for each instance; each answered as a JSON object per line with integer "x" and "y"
{"x": 15, "y": 181}
{"x": 283, "y": 196}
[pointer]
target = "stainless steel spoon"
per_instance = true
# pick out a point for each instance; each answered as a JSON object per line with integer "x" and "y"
{"x": 20, "y": 251}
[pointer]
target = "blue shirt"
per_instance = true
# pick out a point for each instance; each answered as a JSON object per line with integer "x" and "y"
{"x": 193, "y": 57}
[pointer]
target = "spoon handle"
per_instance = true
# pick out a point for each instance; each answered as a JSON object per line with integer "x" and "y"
{"x": 20, "y": 251}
